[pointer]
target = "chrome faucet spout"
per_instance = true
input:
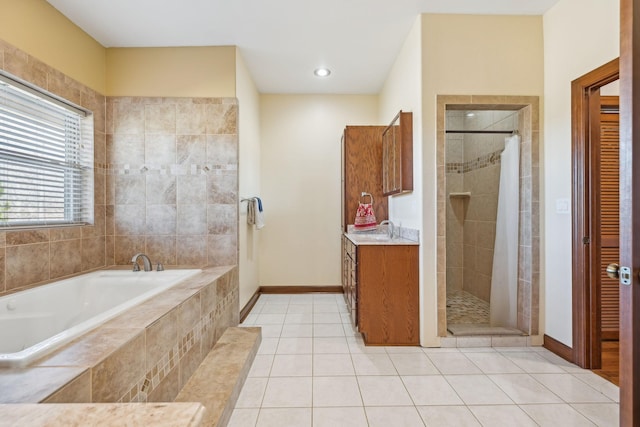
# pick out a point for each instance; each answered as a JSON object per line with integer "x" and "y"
{"x": 390, "y": 227}
{"x": 145, "y": 260}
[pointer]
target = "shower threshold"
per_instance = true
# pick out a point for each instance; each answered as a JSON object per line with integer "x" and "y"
{"x": 470, "y": 329}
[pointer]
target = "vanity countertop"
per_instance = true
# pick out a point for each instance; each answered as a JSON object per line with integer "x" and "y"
{"x": 378, "y": 239}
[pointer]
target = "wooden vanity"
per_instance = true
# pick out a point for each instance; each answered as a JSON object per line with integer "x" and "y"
{"x": 380, "y": 281}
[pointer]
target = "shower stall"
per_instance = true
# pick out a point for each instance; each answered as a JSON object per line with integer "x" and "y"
{"x": 483, "y": 209}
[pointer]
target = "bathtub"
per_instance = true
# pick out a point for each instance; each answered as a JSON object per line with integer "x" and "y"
{"x": 39, "y": 320}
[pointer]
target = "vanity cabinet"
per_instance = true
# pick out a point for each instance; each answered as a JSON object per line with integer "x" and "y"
{"x": 349, "y": 277}
{"x": 362, "y": 171}
{"x": 397, "y": 155}
{"x": 381, "y": 290}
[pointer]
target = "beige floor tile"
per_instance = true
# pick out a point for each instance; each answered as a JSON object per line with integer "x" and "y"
{"x": 406, "y": 416}
{"x": 383, "y": 391}
{"x": 605, "y": 387}
{"x": 270, "y": 319}
{"x": 413, "y": 364}
{"x": 274, "y": 309}
{"x": 478, "y": 390}
{"x": 295, "y": 346}
{"x": 431, "y": 390}
{"x": 300, "y": 309}
{"x": 328, "y": 307}
{"x": 327, "y": 318}
{"x": 531, "y": 362}
{"x": 271, "y": 331}
{"x": 296, "y": 330}
{"x": 493, "y": 363}
{"x": 524, "y": 389}
{"x": 330, "y": 345}
{"x": 571, "y": 389}
{"x": 284, "y": 417}
{"x": 243, "y": 417}
{"x": 261, "y": 366}
{"x": 292, "y": 365}
{"x": 339, "y": 417}
{"x": 327, "y": 365}
{"x": 502, "y": 416}
{"x": 252, "y": 393}
{"x": 287, "y": 393}
{"x": 298, "y": 318}
{"x": 373, "y": 364}
{"x": 268, "y": 346}
{"x": 448, "y": 416}
{"x": 602, "y": 414}
{"x": 336, "y": 392}
{"x": 328, "y": 330}
{"x": 454, "y": 363}
{"x": 556, "y": 415}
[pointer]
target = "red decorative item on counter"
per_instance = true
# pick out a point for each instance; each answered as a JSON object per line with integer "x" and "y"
{"x": 365, "y": 217}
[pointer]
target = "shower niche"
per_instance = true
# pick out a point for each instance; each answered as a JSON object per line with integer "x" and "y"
{"x": 488, "y": 217}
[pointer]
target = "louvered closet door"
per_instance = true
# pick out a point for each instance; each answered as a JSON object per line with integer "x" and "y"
{"x": 609, "y": 216}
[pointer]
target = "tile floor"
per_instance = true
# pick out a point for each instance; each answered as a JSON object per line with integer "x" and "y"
{"x": 312, "y": 369}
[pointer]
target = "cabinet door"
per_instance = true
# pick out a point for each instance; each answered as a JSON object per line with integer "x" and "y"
{"x": 362, "y": 171}
{"x": 388, "y": 298}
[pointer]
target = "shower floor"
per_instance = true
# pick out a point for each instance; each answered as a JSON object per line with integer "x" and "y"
{"x": 469, "y": 315}
{"x": 463, "y": 307}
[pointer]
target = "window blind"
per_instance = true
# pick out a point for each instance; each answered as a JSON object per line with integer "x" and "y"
{"x": 46, "y": 159}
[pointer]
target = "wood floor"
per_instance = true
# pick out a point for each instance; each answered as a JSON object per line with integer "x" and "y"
{"x": 610, "y": 362}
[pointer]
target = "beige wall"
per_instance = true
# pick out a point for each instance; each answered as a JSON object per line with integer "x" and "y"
{"x": 249, "y": 178}
{"x": 38, "y": 29}
{"x": 470, "y": 55}
{"x": 402, "y": 90}
{"x": 300, "y": 151}
{"x": 172, "y": 71}
{"x": 568, "y": 55}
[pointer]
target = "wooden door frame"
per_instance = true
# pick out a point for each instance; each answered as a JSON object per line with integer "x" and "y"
{"x": 585, "y": 254}
{"x": 630, "y": 211}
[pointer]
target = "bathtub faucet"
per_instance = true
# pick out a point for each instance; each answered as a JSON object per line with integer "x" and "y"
{"x": 145, "y": 260}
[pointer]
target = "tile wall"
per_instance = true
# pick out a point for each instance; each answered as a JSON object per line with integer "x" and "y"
{"x": 166, "y": 183}
{"x": 172, "y": 187}
{"x": 33, "y": 257}
{"x": 473, "y": 166}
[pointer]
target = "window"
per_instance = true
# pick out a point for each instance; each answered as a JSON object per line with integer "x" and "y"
{"x": 46, "y": 158}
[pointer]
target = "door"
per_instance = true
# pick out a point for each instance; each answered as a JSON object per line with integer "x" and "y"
{"x": 629, "y": 209}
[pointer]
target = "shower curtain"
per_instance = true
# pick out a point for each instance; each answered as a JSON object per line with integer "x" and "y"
{"x": 504, "y": 278}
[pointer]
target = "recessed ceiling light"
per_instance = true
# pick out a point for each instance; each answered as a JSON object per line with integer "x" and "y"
{"x": 322, "y": 72}
{"x": 470, "y": 114}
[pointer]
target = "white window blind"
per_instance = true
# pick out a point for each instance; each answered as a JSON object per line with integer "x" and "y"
{"x": 46, "y": 159}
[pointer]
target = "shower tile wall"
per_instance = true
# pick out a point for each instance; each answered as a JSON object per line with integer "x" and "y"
{"x": 473, "y": 165}
{"x": 172, "y": 190}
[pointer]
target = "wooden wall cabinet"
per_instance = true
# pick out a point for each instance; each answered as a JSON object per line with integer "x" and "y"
{"x": 362, "y": 171}
{"x": 381, "y": 291}
{"x": 397, "y": 155}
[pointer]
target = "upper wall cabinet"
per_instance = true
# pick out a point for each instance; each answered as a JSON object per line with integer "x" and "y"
{"x": 397, "y": 155}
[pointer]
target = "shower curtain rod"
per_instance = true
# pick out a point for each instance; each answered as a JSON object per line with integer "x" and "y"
{"x": 506, "y": 132}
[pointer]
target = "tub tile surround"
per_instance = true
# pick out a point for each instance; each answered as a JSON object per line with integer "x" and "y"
{"x": 166, "y": 183}
{"x": 146, "y": 354}
{"x": 158, "y": 414}
{"x": 172, "y": 189}
{"x": 527, "y": 108}
{"x": 32, "y": 257}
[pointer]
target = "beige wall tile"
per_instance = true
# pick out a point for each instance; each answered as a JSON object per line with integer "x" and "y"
{"x": 26, "y": 265}
{"x": 112, "y": 378}
{"x": 77, "y": 391}
{"x": 161, "y": 249}
{"x": 66, "y": 258}
{"x": 161, "y": 338}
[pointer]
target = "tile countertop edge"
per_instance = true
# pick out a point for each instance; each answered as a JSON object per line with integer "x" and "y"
{"x": 407, "y": 237}
{"x": 136, "y": 414}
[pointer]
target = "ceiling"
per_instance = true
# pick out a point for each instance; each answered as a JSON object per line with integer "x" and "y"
{"x": 282, "y": 41}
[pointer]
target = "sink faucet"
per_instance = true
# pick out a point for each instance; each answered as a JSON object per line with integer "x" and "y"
{"x": 389, "y": 227}
{"x": 145, "y": 260}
